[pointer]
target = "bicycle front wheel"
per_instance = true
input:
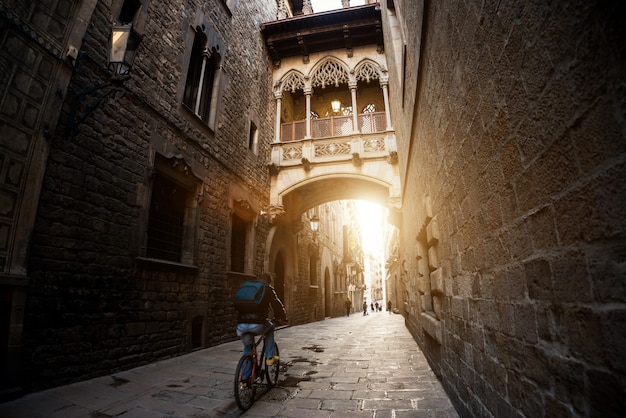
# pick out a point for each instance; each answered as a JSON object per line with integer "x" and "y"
{"x": 272, "y": 371}
{"x": 245, "y": 389}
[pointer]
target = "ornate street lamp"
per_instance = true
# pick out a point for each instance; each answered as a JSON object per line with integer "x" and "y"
{"x": 124, "y": 44}
{"x": 123, "y": 48}
{"x": 335, "y": 105}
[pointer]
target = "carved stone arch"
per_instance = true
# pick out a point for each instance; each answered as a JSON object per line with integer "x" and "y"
{"x": 292, "y": 81}
{"x": 329, "y": 71}
{"x": 367, "y": 70}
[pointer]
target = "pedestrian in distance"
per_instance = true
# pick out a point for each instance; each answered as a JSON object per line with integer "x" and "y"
{"x": 252, "y": 318}
{"x": 364, "y": 307}
{"x": 389, "y": 306}
{"x": 348, "y": 306}
{"x": 376, "y": 305}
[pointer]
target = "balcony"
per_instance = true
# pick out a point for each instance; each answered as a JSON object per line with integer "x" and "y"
{"x": 334, "y": 126}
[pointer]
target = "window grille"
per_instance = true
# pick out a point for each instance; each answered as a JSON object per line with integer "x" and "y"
{"x": 166, "y": 220}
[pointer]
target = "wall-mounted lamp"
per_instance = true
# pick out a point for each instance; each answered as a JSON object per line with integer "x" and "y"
{"x": 335, "y": 105}
{"x": 124, "y": 44}
{"x": 315, "y": 224}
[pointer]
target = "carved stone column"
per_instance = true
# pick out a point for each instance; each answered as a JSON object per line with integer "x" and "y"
{"x": 355, "y": 110}
{"x": 384, "y": 85}
{"x": 307, "y": 97}
{"x": 278, "y": 95}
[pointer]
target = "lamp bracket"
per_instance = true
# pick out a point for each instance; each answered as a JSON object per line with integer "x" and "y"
{"x": 88, "y": 100}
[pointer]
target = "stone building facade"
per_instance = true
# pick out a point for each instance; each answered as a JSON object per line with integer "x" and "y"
{"x": 91, "y": 282}
{"x": 511, "y": 137}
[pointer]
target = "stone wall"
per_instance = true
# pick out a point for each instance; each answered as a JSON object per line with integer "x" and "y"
{"x": 94, "y": 305}
{"x": 511, "y": 140}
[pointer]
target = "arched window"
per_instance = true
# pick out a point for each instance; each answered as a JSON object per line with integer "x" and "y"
{"x": 369, "y": 108}
{"x": 201, "y": 77}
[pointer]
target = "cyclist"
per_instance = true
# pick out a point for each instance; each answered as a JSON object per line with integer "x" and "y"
{"x": 254, "y": 323}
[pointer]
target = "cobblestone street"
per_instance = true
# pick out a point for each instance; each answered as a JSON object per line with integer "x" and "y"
{"x": 357, "y": 366}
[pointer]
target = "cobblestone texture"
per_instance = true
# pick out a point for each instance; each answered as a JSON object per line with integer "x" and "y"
{"x": 357, "y": 366}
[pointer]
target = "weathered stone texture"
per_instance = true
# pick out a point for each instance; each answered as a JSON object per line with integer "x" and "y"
{"x": 93, "y": 307}
{"x": 519, "y": 144}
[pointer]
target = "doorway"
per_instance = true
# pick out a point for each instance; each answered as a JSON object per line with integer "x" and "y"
{"x": 327, "y": 294}
{"x": 279, "y": 275}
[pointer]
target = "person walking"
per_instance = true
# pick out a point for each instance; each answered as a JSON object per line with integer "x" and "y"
{"x": 389, "y": 306}
{"x": 348, "y": 306}
{"x": 364, "y": 307}
{"x": 252, "y": 318}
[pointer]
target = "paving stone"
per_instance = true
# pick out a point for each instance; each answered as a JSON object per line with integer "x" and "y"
{"x": 391, "y": 382}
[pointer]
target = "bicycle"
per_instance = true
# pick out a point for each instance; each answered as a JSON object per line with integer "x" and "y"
{"x": 254, "y": 365}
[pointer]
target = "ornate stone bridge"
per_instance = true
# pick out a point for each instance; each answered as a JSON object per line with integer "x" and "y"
{"x": 310, "y": 172}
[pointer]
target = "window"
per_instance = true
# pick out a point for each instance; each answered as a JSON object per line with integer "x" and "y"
{"x": 253, "y": 138}
{"x": 129, "y": 9}
{"x": 167, "y": 218}
{"x": 170, "y": 234}
{"x": 200, "y": 94}
{"x": 238, "y": 239}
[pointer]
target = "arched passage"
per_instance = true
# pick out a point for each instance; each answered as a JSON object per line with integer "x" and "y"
{"x": 322, "y": 189}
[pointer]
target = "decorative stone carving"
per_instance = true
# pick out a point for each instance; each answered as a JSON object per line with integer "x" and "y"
{"x": 180, "y": 165}
{"x": 367, "y": 71}
{"x": 330, "y": 73}
{"x": 292, "y": 153}
{"x": 307, "y": 8}
{"x": 392, "y": 158}
{"x": 292, "y": 82}
{"x": 356, "y": 159}
{"x": 273, "y": 213}
{"x": 333, "y": 148}
{"x": 274, "y": 169}
{"x": 282, "y": 10}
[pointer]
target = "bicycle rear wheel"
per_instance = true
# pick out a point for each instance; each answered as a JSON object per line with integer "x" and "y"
{"x": 245, "y": 389}
{"x": 271, "y": 372}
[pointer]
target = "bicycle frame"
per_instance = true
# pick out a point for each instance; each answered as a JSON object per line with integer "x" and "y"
{"x": 245, "y": 388}
{"x": 257, "y": 364}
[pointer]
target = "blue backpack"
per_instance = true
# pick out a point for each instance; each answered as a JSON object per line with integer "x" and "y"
{"x": 249, "y": 297}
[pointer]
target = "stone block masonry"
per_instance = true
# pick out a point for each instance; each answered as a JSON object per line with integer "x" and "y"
{"x": 518, "y": 142}
{"x": 95, "y": 303}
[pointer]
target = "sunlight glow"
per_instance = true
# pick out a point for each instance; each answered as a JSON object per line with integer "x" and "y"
{"x": 325, "y": 5}
{"x": 371, "y": 221}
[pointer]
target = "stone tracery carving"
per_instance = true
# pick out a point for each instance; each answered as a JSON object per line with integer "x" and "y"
{"x": 367, "y": 71}
{"x": 292, "y": 153}
{"x": 292, "y": 82}
{"x": 329, "y": 73}
{"x": 333, "y": 148}
{"x": 374, "y": 144}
